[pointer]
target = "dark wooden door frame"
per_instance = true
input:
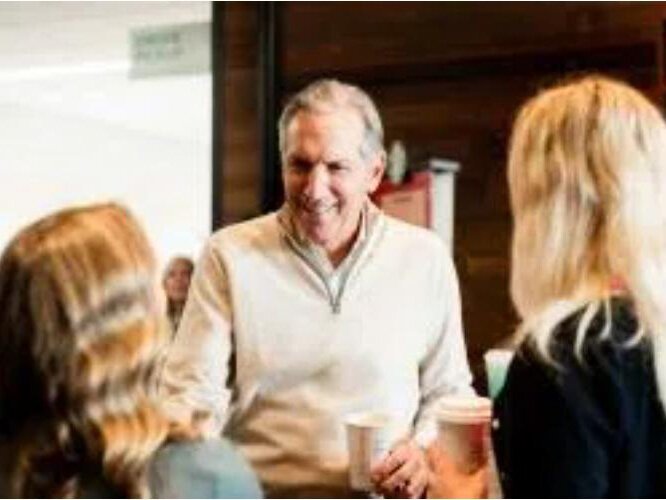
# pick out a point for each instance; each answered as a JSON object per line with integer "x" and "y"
{"x": 218, "y": 111}
{"x": 270, "y": 88}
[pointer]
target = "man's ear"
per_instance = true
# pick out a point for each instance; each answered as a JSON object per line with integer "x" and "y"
{"x": 376, "y": 174}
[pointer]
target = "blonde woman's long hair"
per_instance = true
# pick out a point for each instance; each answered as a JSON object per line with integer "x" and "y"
{"x": 80, "y": 345}
{"x": 587, "y": 178}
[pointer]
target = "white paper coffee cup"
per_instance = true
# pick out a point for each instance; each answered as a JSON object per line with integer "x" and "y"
{"x": 369, "y": 437}
{"x": 460, "y": 460}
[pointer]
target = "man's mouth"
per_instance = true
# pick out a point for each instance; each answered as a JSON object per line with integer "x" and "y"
{"x": 317, "y": 210}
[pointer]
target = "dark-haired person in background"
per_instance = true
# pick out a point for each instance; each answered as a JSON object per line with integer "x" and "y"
{"x": 176, "y": 284}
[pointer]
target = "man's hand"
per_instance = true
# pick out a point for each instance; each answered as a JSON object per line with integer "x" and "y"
{"x": 403, "y": 473}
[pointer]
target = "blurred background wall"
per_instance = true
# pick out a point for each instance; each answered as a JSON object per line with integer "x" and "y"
{"x": 77, "y": 125}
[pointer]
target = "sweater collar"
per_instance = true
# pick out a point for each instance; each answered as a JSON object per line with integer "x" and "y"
{"x": 370, "y": 216}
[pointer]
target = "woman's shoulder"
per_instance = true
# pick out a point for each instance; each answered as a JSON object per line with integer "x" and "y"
{"x": 606, "y": 332}
{"x": 603, "y": 357}
{"x": 613, "y": 320}
{"x": 210, "y": 468}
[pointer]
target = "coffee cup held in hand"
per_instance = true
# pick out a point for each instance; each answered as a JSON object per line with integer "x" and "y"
{"x": 460, "y": 456}
{"x": 369, "y": 437}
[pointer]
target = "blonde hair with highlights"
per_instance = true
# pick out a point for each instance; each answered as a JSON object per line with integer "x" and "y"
{"x": 587, "y": 177}
{"x": 80, "y": 346}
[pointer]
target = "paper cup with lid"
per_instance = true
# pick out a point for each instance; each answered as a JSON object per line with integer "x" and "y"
{"x": 369, "y": 437}
{"x": 460, "y": 456}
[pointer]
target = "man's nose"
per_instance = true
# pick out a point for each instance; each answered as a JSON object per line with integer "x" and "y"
{"x": 317, "y": 182}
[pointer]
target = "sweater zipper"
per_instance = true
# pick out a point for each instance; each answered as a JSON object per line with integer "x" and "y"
{"x": 316, "y": 270}
{"x": 334, "y": 301}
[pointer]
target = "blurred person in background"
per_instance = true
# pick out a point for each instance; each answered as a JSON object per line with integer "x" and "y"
{"x": 323, "y": 308}
{"x": 582, "y": 411}
{"x": 80, "y": 347}
{"x": 176, "y": 283}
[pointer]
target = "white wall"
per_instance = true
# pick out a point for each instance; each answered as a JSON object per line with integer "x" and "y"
{"x": 75, "y": 129}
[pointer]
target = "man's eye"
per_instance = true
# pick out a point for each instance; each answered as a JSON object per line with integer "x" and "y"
{"x": 336, "y": 167}
{"x": 299, "y": 166}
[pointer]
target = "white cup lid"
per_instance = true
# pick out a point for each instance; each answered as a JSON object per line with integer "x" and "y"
{"x": 464, "y": 409}
{"x": 368, "y": 419}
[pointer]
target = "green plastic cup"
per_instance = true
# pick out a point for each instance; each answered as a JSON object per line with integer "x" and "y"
{"x": 497, "y": 366}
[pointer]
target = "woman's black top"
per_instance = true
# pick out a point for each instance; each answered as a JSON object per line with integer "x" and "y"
{"x": 589, "y": 427}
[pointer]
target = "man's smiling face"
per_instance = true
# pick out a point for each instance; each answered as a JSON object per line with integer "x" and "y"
{"x": 326, "y": 179}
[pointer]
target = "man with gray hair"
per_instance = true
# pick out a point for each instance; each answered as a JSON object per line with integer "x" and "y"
{"x": 326, "y": 308}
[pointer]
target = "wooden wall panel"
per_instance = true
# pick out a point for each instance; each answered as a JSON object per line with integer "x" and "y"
{"x": 241, "y": 167}
{"x": 348, "y": 37}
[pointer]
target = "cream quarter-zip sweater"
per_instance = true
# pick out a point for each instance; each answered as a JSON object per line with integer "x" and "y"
{"x": 275, "y": 348}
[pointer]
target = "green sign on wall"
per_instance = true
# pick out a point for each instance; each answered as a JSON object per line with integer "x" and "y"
{"x": 177, "y": 49}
